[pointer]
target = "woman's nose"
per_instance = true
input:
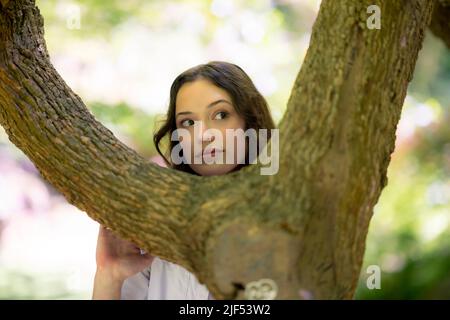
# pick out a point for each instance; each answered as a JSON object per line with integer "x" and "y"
{"x": 205, "y": 135}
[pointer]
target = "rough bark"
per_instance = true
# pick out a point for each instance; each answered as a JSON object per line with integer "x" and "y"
{"x": 305, "y": 227}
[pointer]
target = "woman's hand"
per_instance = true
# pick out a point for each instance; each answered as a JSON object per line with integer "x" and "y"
{"x": 119, "y": 258}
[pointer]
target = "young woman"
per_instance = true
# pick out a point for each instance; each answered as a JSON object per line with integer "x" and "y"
{"x": 217, "y": 95}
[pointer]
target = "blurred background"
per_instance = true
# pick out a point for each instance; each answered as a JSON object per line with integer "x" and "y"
{"x": 121, "y": 58}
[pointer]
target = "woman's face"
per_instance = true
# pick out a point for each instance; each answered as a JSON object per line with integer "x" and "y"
{"x": 210, "y": 107}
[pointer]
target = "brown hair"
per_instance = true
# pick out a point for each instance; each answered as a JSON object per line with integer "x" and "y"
{"x": 247, "y": 101}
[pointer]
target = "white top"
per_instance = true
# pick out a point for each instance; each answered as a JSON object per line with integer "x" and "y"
{"x": 164, "y": 280}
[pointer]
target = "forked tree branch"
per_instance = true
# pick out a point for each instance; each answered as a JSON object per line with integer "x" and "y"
{"x": 304, "y": 227}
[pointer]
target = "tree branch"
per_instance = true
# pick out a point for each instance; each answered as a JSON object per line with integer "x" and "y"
{"x": 338, "y": 131}
{"x": 169, "y": 213}
{"x": 304, "y": 227}
{"x": 74, "y": 152}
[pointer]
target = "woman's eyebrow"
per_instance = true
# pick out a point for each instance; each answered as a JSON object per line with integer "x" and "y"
{"x": 209, "y": 106}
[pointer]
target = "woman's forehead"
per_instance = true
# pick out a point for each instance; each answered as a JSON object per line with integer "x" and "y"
{"x": 198, "y": 95}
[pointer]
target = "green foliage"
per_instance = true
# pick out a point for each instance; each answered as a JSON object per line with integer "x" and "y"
{"x": 23, "y": 285}
{"x": 136, "y": 125}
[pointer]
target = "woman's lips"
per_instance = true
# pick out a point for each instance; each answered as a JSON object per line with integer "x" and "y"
{"x": 211, "y": 152}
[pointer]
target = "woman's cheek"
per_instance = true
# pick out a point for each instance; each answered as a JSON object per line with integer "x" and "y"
{"x": 240, "y": 147}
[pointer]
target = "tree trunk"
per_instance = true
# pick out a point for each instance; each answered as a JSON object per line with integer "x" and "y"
{"x": 304, "y": 227}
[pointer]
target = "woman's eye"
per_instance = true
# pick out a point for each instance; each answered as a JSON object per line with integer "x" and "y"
{"x": 223, "y": 113}
{"x": 183, "y": 123}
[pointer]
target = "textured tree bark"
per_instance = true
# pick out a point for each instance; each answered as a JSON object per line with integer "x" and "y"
{"x": 440, "y": 22}
{"x": 304, "y": 227}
